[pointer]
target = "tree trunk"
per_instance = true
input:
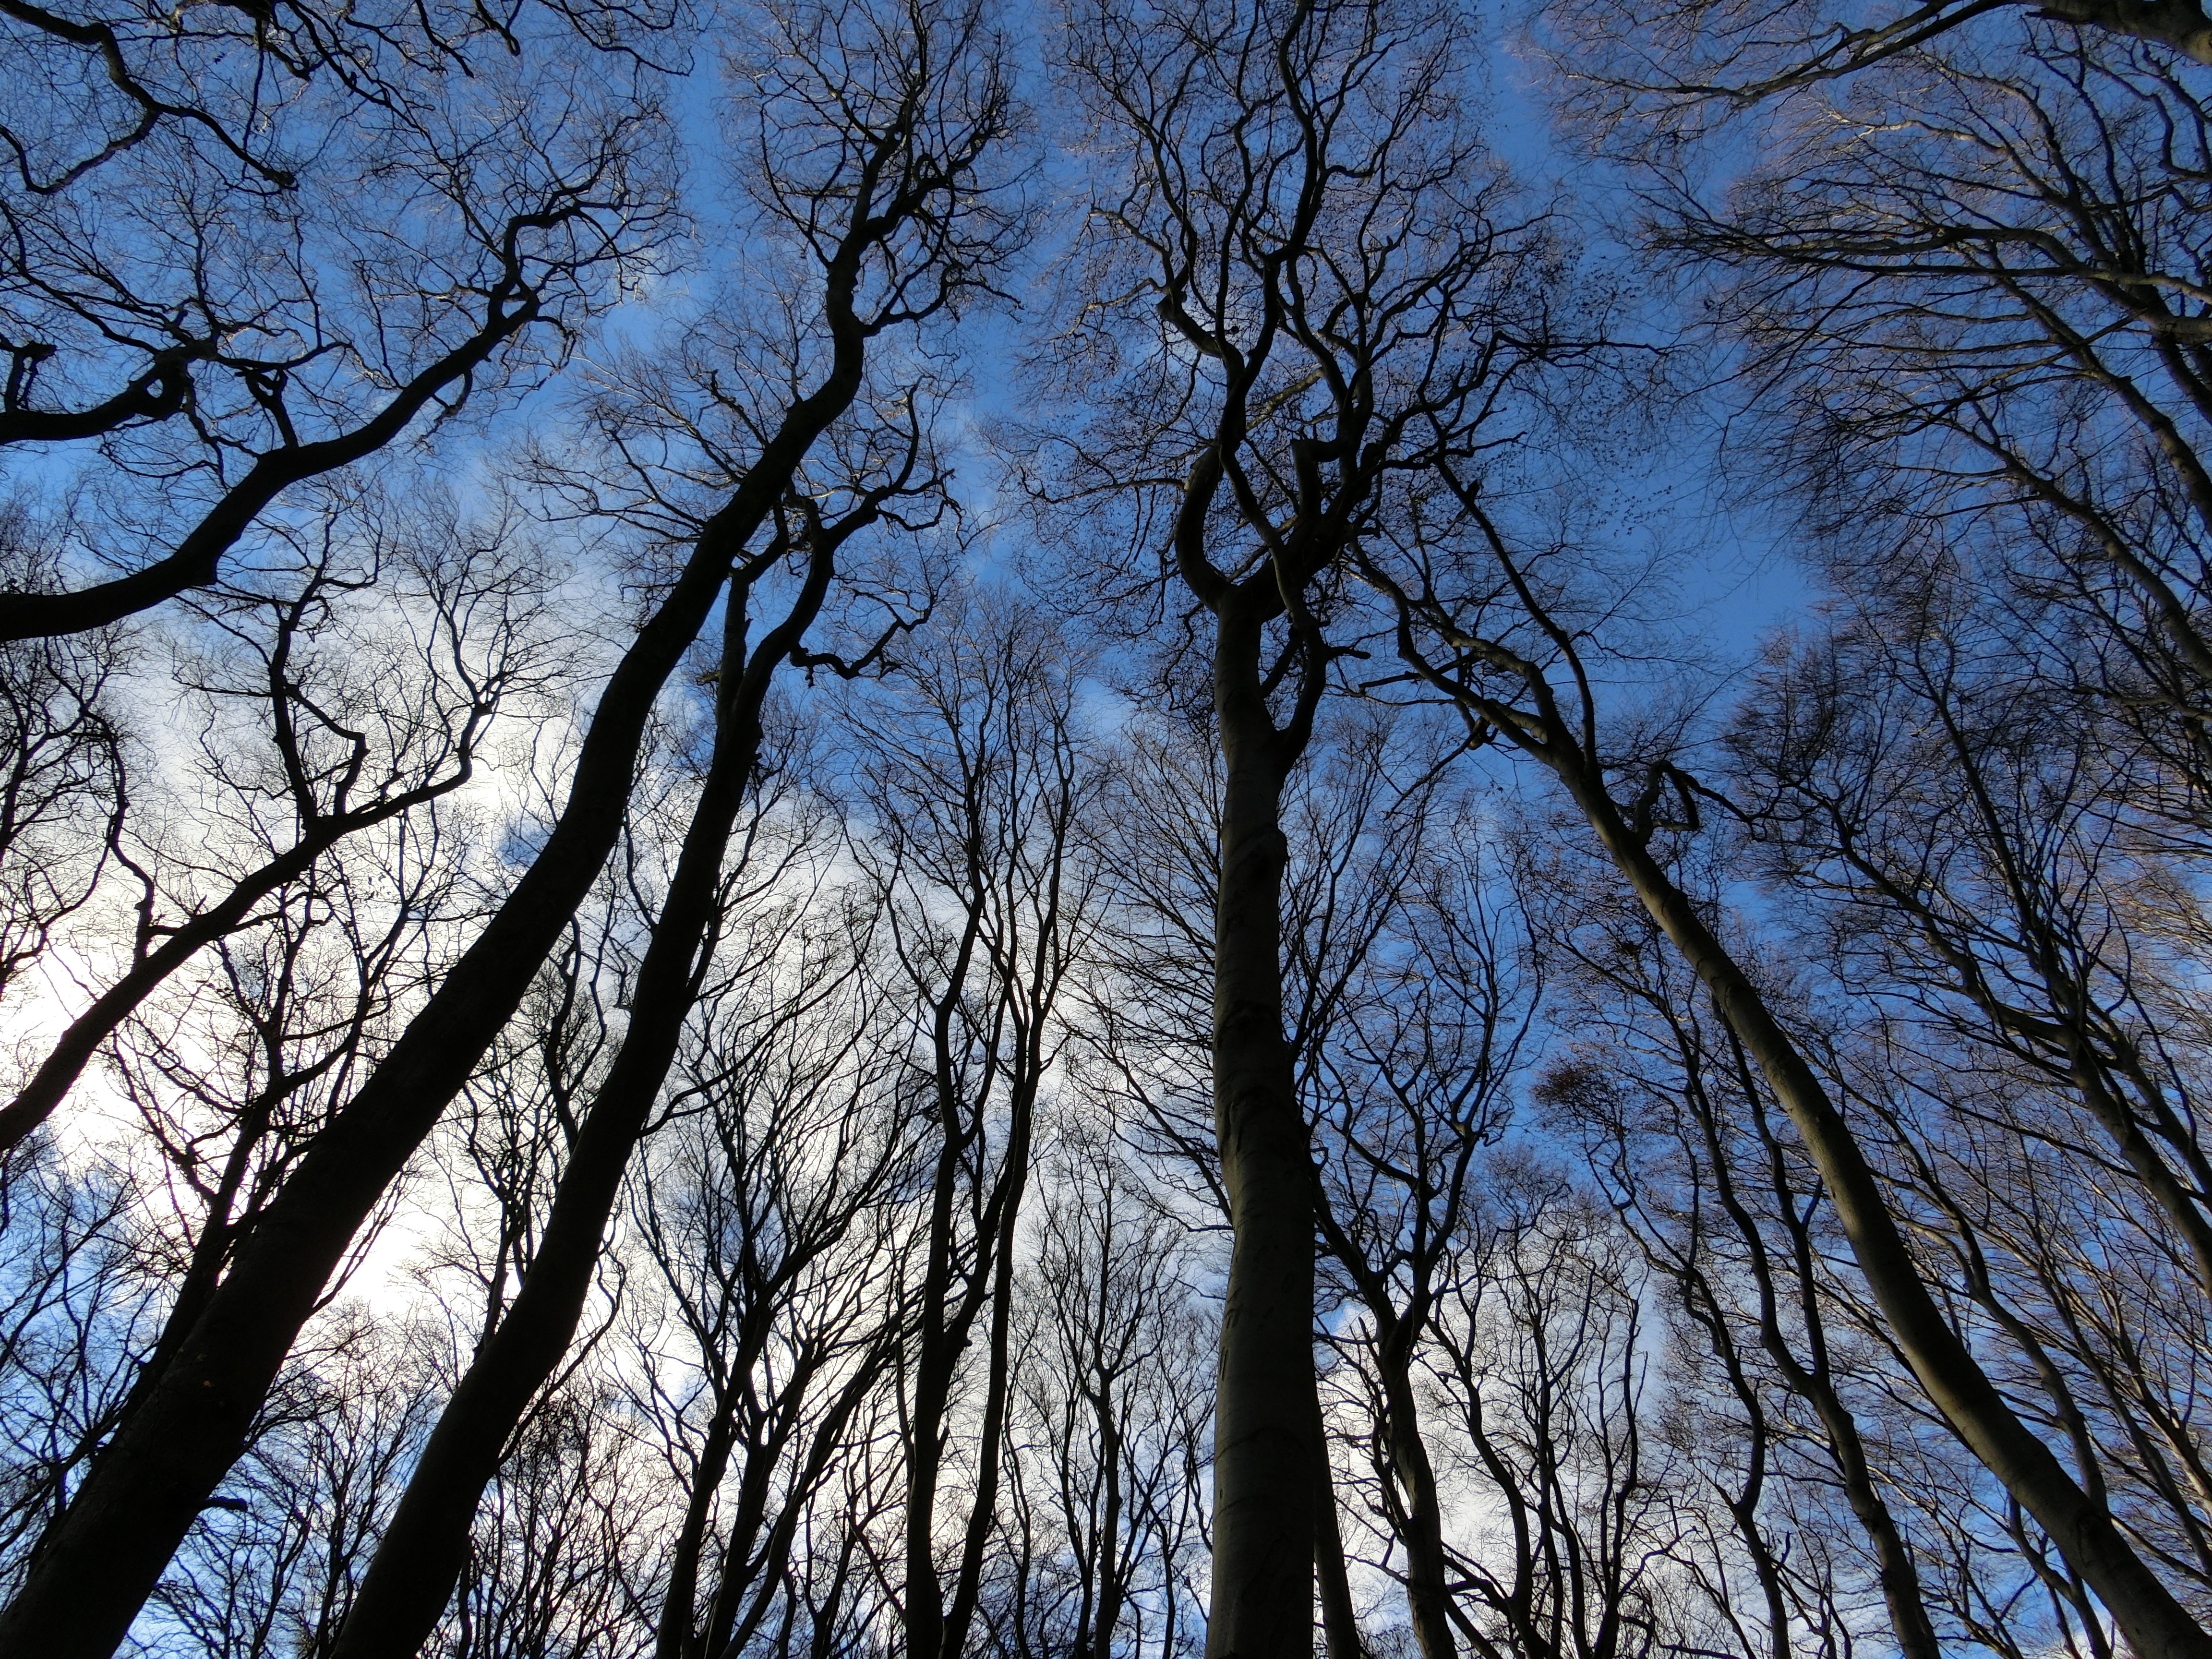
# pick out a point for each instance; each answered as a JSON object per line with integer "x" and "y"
{"x": 1894, "y": 1567}
{"x": 932, "y": 1628}
{"x": 1339, "y": 1623}
{"x": 941, "y": 1345}
{"x": 1097, "y": 1640}
{"x": 1428, "y": 1603}
{"x": 677, "y": 1638}
{"x": 1263, "y": 1458}
{"x": 983, "y": 1502}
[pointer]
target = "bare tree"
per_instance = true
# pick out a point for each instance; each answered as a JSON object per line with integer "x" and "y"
{"x": 65, "y": 800}
{"x": 75, "y": 1307}
{"x": 1549, "y": 1385}
{"x": 547, "y": 1559}
{"x": 1999, "y": 900}
{"x": 1415, "y": 1008}
{"x": 1980, "y": 351}
{"x": 375, "y": 666}
{"x": 1109, "y": 1424}
{"x": 273, "y": 1567}
{"x": 770, "y": 1205}
{"x": 972, "y": 784}
{"x": 1327, "y": 260}
{"x": 1469, "y": 628}
{"x": 888, "y": 220}
{"x": 1700, "y": 63}
{"x": 536, "y": 1131}
{"x": 422, "y": 1549}
{"x": 1684, "y": 1148}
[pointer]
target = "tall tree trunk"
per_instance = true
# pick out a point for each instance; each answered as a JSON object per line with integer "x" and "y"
{"x": 983, "y": 1502}
{"x": 1428, "y": 1603}
{"x": 1263, "y": 1457}
{"x": 1895, "y": 1566}
{"x": 943, "y": 1334}
{"x": 676, "y": 1638}
{"x": 1097, "y": 1641}
{"x": 932, "y": 1628}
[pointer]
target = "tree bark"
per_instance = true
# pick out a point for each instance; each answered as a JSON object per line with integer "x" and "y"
{"x": 1263, "y": 1457}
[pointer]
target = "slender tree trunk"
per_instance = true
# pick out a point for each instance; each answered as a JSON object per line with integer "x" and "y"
{"x": 1263, "y": 1458}
{"x": 924, "y": 1610}
{"x": 1428, "y": 1603}
{"x": 677, "y": 1638}
{"x": 680, "y": 1636}
{"x": 1339, "y": 1623}
{"x": 747, "y": 1516}
{"x": 932, "y": 1628}
{"x": 1895, "y": 1566}
{"x": 725, "y": 1632}
{"x": 983, "y": 1502}
{"x": 1098, "y": 1641}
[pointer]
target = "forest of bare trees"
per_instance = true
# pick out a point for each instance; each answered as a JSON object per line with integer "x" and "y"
{"x": 911, "y": 829}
